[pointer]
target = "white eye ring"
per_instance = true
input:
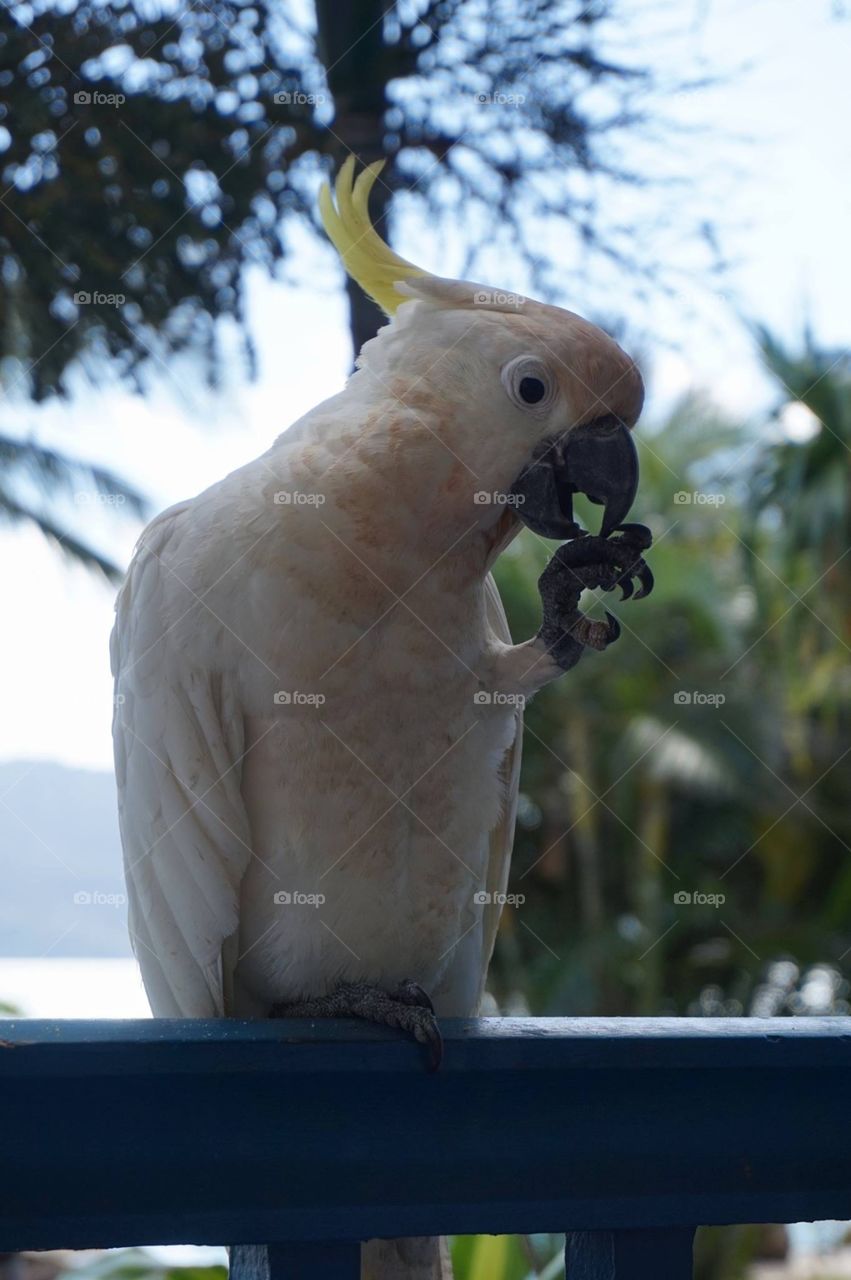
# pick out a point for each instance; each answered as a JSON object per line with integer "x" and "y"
{"x": 529, "y": 384}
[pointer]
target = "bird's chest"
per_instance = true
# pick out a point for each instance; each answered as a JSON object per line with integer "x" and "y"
{"x": 370, "y": 825}
{"x": 396, "y": 759}
{"x": 384, "y": 759}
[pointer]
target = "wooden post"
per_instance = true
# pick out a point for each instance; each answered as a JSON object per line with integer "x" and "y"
{"x": 297, "y": 1260}
{"x": 629, "y": 1255}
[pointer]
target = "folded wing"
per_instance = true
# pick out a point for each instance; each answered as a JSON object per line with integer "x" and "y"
{"x": 178, "y": 734}
{"x": 502, "y": 836}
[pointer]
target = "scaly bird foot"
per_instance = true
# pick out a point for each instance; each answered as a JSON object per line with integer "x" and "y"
{"x": 611, "y": 562}
{"x": 624, "y": 552}
{"x": 587, "y": 563}
{"x": 407, "y": 1007}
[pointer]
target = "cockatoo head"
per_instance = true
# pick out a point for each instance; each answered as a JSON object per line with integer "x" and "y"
{"x": 531, "y": 403}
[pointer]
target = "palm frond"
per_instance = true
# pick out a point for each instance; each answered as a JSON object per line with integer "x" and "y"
{"x": 56, "y": 471}
{"x": 17, "y": 512}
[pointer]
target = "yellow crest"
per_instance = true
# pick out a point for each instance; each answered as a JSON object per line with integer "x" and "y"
{"x": 365, "y": 255}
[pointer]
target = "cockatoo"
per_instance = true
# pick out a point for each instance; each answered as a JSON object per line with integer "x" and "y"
{"x": 318, "y": 701}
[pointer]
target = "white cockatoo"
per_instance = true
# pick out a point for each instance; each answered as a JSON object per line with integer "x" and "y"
{"x": 318, "y": 701}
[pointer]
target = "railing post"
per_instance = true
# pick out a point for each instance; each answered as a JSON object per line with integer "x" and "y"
{"x": 296, "y": 1260}
{"x": 629, "y": 1255}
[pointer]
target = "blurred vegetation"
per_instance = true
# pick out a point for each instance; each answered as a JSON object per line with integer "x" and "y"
{"x": 632, "y": 794}
{"x": 140, "y": 1264}
{"x": 708, "y": 754}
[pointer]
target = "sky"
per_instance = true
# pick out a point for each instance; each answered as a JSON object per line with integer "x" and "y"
{"x": 784, "y": 194}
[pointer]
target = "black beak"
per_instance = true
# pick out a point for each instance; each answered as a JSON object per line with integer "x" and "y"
{"x": 598, "y": 459}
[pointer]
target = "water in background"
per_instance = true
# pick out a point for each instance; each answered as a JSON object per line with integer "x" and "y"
{"x": 73, "y": 987}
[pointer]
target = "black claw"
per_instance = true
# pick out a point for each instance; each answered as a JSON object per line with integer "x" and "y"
{"x": 645, "y": 577}
{"x": 412, "y": 993}
{"x": 638, "y": 534}
{"x": 435, "y": 1049}
{"x": 614, "y": 628}
{"x": 626, "y": 587}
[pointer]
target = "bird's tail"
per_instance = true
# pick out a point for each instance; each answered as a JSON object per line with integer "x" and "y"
{"x": 409, "y": 1258}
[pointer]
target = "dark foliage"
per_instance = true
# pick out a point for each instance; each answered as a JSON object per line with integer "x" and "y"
{"x": 150, "y": 153}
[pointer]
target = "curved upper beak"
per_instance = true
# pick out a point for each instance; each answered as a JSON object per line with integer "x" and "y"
{"x": 598, "y": 459}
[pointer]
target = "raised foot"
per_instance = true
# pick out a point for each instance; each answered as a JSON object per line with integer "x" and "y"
{"x": 406, "y": 1006}
{"x": 586, "y": 563}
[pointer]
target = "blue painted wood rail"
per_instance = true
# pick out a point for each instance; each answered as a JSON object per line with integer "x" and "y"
{"x": 301, "y": 1139}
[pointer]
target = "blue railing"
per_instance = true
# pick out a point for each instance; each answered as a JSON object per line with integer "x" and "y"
{"x": 301, "y": 1139}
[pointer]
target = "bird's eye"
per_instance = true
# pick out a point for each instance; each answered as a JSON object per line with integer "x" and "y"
{"x": 529, "y": 384}
{"x": 532, "y": 390}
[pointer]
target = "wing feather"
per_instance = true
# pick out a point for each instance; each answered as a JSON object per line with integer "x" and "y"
{"x": 179, "y": 742}
{"x": 502, "y": 836}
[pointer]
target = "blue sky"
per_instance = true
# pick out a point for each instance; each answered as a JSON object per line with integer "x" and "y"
{"x": 784, "y": 196}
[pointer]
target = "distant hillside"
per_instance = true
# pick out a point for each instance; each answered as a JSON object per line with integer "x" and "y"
{"x": 61, "y": 884}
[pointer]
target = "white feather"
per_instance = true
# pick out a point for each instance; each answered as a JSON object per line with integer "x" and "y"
{"x": 382, "y": 799}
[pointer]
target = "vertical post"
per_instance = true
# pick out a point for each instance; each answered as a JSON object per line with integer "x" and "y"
{"x": 629, "y": 1255}
{"x": 296, "y": 1260}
